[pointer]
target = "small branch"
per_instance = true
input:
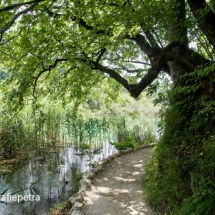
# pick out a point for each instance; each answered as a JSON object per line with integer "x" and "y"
{"x": 82, "y": 23}
{"x": 151, "y": 39}
{"x": 133, "y": 70}
{"x": 9, "y": 25}
{"x": 127, "y": 61}
{"x": 13, "y": 6}
{"x": 101, "y": 53}
{"x": 45, "y": 70}
{"x": 112, "y": 73}
{"x": 145, "y": 46}
{"x": 206, "y": 21}
{"x": 138, "y": 62}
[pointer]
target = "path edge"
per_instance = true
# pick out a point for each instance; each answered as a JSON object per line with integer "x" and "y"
{"x": 76, "y": 201}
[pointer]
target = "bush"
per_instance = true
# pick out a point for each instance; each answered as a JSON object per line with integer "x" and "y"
{"x": 180, "y": 177}
{"x": 84, "y": 147}
{"x": 128, "y": 142}
{"x": 76, "y": 177}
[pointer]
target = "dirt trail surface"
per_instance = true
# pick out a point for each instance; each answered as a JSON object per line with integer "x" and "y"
{"x": 117, "y": 189}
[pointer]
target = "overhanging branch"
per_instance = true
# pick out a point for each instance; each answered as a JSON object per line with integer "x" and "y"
{"x": 134, "y": 89}
{"x": 49, "y": 68}
{"x": 173, "y": 51}
{"x": 144, "y": 46}
{"x": 13, "y": 6}
{"x": 9, "y": 25}
{"x": 206, "y": 21}
{"x": 112, "y": 73}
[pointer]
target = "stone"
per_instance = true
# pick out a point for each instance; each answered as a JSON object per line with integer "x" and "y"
{"x": 76, "y": 213}
{"x": 77, "y": 197}
{"x": 77, "y": 207}
{"x": 85, "y": 182}
{"x": 89, "y": 175}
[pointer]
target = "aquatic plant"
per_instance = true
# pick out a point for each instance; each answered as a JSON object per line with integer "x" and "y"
{"x": 76, "y": 177}
{"x": 39, "y": 131}
{"x": 128, "y": 142}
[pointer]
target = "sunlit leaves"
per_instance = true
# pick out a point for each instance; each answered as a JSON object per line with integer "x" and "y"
{"x": 77, "y": 31}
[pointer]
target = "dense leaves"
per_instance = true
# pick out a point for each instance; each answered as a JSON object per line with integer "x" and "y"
{"x": 66, "y": 47}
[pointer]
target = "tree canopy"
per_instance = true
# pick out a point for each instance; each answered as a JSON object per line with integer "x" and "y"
{"x": 66, "y": 47}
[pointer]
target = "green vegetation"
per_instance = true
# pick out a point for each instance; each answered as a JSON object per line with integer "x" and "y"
{"x": 50, "y": 127}
{"x": 127, "y": 143}
{"x": 138, "y": 136}
{"x": 76, "y": 177}
{"x": 84, "y": 147}
{"x": 183, "y": 163}
{"x": 83, "y": 52}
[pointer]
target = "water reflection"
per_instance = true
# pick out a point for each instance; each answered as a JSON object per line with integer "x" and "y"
{"x": 48, "y": 178}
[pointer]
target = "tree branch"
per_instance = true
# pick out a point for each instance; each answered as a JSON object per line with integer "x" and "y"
{"x": 151, "y": 75}
{"x": 82, "y": 23}
{"x": 173, "y": 51}
{"x": 144, "y": 46}
{"x": 134, "y": 89}
{"x": 16, "y": 17}
{"x": 206, "y": 21}
{"x": 45, "y": 70}
{"x": 112, "y": 73}
{"x": 101, "y": 53}
{"x": 13, "y": 6}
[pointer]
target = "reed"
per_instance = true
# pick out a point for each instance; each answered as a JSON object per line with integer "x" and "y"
{"x": 46, "y": 130}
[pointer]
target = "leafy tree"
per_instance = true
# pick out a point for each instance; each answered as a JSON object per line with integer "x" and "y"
{"x": 64, "y": 48}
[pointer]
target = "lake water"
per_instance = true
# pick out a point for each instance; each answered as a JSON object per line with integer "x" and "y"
{"x": 45, "y": 181}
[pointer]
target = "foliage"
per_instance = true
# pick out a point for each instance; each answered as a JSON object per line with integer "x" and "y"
{"x": 76, "y": 177}
{"x": 127, "y": 143}
{"x": 198, "y": 205}
{"x": 133, "y": 138}
{"x": 58, "y": 207}
{"x": 182, "y": 167}
{"x": 45, "y": 129}
{"x": 95, "y": 43}
{"x": 84, "y": 147}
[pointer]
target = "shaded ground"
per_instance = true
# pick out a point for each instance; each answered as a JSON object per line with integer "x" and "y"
{"x": 117, "y": 190}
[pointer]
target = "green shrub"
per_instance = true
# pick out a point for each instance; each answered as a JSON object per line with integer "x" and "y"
{"x": 128, "y": 142}
{"x": 198, "y": 205}
{"x": 84, "y": 147}
{"x": 180, "y": 177}
{"x": 76, "y": 177}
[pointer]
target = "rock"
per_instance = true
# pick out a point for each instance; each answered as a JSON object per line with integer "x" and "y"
{"x": 104, "y": 161}
{"x": 77, "y": 197}
{"x": 85, "y": 183}
{"x": 76, "y": 213}
{"x": 97, "y": 169}
{"x": 76, "y": 209}
{"x": 89, "y": 175}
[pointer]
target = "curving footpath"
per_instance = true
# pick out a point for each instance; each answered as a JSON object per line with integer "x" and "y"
{"x": 116, "y": 187}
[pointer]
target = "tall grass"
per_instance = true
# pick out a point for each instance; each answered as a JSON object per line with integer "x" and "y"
{"x": 42, "y": 131}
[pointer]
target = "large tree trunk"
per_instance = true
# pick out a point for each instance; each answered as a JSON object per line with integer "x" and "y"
{"x": 177, "y": 33}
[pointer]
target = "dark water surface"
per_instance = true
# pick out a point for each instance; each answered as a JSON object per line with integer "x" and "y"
{"x": 45, "y": 181}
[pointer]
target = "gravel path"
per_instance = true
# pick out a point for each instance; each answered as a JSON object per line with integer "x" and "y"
{"x": 117, "y": 190}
